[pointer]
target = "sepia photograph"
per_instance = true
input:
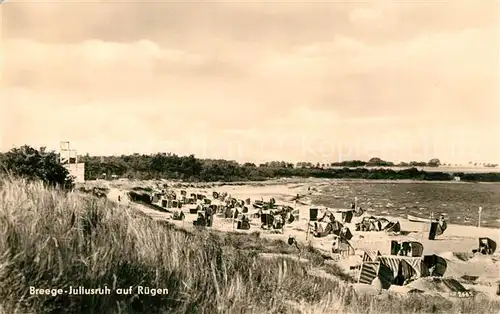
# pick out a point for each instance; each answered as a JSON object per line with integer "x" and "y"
{"x": 292, "y": 157}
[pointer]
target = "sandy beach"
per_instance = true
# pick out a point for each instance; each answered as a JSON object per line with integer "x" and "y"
{"x": 455, "y": 245}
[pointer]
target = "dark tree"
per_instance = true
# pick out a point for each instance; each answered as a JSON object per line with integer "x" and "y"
{"x": 32, "y": 164}
{"x": 190, "y": 168}
{"x": 434, "y": 162}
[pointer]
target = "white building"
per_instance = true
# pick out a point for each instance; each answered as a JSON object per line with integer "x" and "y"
{"x": 77, "y": 170}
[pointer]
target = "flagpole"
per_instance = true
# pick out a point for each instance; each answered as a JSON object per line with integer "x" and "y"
{"x": 479, "y": 213}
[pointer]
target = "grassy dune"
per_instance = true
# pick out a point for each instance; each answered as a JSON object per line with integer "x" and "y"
{"x": 43, "y": 245}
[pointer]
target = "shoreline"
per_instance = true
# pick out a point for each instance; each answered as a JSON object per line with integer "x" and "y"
{"x": 290, "y": 180}
{"x": 290, "y": 187}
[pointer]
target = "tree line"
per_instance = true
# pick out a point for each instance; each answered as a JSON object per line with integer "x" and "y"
{"x": 42, "y": 164}
{"x": 373, "y": 162}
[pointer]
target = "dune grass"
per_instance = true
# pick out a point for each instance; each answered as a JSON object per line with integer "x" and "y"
{"x": 51, "y": 239}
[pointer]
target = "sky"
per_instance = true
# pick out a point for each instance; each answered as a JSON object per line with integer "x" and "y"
{"x": 254, "y": 81}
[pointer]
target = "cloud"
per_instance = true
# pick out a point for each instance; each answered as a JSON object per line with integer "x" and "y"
{"x": 365, "y": 15}
{"x": 281, "y": 23}
{"x": 30, "y": 64}
{"x": 263, "y": 75}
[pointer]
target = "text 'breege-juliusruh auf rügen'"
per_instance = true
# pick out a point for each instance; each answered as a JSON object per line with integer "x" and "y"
{"x": 81, "y": 290}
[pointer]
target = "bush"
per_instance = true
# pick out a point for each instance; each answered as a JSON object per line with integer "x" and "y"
{"x": 31, "y": 164}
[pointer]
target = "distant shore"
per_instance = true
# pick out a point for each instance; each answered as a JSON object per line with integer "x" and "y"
{"x": 293, "y": 180}
{"x": 437, "y": 169}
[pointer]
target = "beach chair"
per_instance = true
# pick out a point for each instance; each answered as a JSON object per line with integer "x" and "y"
{"x": 342, "y": 247}
{"x": 221, "y": 211}
{"x": 258, "y": 204}
{"x": 213, "y": 208}
{"x": 436, "y": 265}
{"x": 407, "y": 248}
{"x": 155, "y": 198}
{"x": 417, "y": 249}
{"x": 433, "y": 230}
{"x": 195, "y": 209}
{"x": 383, "y": 223}
{"x": 366, "y": 224}
{"x": 441, "y": 227}
{"x": 178, "y": 215}
{"x": 486, "y": 246}
{"x": 272, "y": 202}
{"x": 228, "y": 212}
{"x": 393, "y": 228}
{"x": 405, "y": 269}
{"x": 201, "y": 220}
{"x": 278, "y": 223}
{"x": 370, "y": 271}
{"x": 267, "y": 220}
{"x": 347, "y": 216}
{"x": 371, "y": 255}
{"x": 242, "y": 222}
{"x": 395, "y": 247}
{"x": 313, "y": 217}
{"x": 345, "y": 233}
{"x": 209, "y": 216}
{"x": 321, "y": 229}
